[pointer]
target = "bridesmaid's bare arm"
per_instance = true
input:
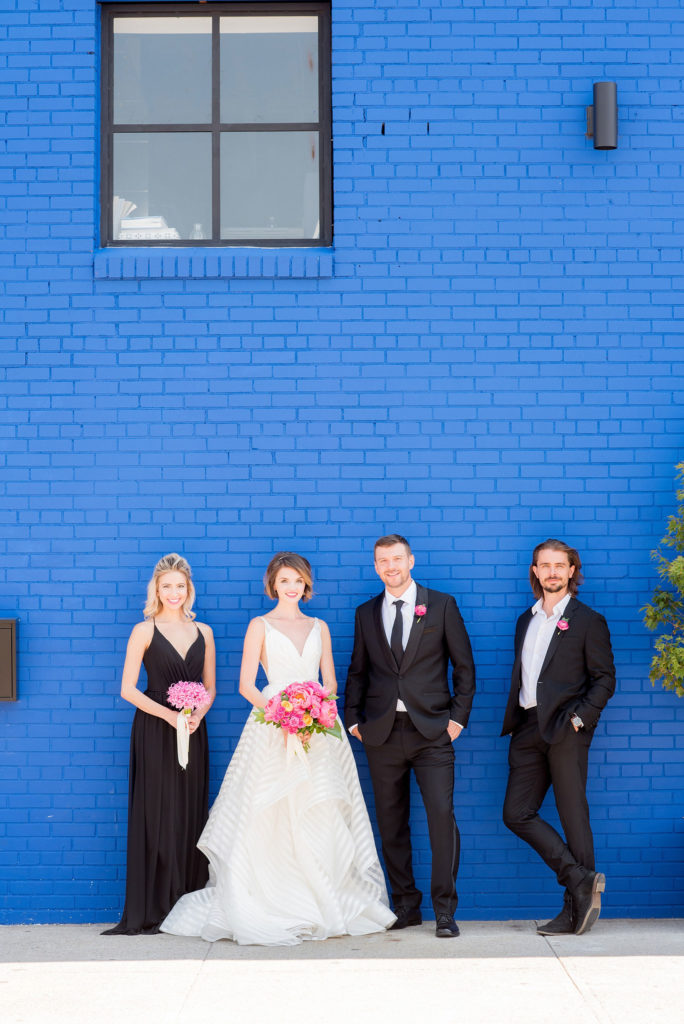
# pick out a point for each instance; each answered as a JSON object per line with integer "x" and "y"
{"x": 327, "y": 664}
{"x": 138, "y": 642}
{"x": 251, "y": 656}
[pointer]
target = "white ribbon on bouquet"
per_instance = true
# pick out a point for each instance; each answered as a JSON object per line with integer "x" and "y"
{"x": 183, "y": 739}
{"x": 295, "y": 748}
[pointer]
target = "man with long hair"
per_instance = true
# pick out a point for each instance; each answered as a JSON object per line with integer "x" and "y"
{"x": 563, "y": 677}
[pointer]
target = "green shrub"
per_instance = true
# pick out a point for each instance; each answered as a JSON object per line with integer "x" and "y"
{"x": 666, "y": 610}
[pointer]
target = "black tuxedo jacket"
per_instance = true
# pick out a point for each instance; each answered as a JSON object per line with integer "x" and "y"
{"x": 577, "y": 676}
{"x": 375, "y": 681}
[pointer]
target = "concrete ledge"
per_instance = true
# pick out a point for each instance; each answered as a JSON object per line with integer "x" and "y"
{"x": 211, "y": 263}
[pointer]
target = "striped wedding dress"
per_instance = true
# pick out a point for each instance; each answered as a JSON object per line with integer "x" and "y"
{"x": 288, "y": 840}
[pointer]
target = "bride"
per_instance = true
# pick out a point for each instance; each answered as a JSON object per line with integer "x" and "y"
{"x": 290, "y": 848}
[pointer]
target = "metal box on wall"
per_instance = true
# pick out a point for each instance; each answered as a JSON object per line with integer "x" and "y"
{"x": 8, "y": 659}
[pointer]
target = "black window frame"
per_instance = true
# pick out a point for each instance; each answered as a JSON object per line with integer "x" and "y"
{"x": 216, "y": 9}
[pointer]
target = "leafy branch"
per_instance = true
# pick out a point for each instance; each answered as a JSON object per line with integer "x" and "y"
{"x": 666, "y": 610}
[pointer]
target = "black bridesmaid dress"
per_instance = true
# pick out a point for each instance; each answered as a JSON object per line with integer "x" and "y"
{"x": 167, "y": 805}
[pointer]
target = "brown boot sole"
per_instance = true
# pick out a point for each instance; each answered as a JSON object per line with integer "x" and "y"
{"x": 594, "y": 909}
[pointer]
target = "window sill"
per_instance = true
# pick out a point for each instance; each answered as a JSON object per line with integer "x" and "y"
{"x": 122, "y": 264}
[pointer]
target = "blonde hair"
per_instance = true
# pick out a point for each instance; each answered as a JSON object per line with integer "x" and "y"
{"x": 288, "y": 560}
{"x": 169, "y": 563}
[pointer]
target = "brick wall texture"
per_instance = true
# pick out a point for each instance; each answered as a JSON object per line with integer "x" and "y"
{"x": 492, "y": 356}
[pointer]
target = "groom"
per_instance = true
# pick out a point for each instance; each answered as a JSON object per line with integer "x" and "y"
{"x": 399, "y": 704}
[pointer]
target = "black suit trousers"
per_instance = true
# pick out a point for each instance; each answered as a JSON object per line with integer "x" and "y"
{"x": 534, "y": 766}
{"x": 432, "y": 761}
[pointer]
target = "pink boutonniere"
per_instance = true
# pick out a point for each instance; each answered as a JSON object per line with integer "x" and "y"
{"x": 563, "y": 624}
{"x": 420, "y": 611}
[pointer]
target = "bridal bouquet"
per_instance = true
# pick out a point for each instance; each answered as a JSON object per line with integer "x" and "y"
{"x": 302, "y": 709}
{"x": 186, "y": 697}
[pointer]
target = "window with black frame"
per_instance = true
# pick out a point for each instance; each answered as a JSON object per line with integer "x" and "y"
{"x": 216, "y": 124}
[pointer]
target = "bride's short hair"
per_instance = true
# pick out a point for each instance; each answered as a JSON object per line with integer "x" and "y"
{"x": 288, "y": 560}
{"x": 169, "y": 563}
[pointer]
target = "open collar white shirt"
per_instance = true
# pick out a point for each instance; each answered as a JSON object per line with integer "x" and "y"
{"x": 536, "y": 644}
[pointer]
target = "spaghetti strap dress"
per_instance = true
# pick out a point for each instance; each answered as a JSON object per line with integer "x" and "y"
{"x": 167, "y": 805}
{"x": 289, "y": 842}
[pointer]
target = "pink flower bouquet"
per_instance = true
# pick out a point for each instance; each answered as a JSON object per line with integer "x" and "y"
{"x": 302, "y": 709}
{"x": 186, "y": 697}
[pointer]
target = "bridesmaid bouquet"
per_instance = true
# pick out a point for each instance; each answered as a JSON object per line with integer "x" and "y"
{"x": 186, "y": 697}
{"x": 302, "y": 709}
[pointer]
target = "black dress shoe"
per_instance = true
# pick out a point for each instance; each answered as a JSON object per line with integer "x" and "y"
{"x": 446, "y": 927}
{"x": 587, "y": 901}
{"x": 562, "y": 924}
{"x": 406, "y": 918}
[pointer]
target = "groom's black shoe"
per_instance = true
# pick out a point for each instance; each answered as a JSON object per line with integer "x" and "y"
{"x": 587, "y": 901}
{"x": 561, "y": 924}
{"x": 446, "y": 927}
{"x": 406, "y": 918}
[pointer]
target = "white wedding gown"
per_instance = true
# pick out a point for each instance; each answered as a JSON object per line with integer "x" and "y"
{"x": 290, "y": 848}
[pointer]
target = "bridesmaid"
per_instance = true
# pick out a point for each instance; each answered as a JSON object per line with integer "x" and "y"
{"x": 167, "y": 805}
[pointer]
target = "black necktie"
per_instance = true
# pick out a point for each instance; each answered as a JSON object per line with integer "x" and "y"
{"x": 396, "y": 639}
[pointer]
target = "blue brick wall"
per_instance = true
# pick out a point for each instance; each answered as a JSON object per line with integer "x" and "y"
{"x": 493, "y": 355}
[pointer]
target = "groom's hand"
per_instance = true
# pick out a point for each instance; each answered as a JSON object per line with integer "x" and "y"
{"x": 355, "y": 732}
{"x": 454, "y": 730}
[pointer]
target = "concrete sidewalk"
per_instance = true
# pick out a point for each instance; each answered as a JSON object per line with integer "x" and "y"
{"x": 622, "y": 972}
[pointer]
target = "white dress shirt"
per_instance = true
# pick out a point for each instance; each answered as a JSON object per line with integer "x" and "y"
{"x": 536, "y": 644}
{"x": 408, "y": 610}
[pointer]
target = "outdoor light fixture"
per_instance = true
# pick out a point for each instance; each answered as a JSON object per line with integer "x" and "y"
{"x": 602, "y": 116}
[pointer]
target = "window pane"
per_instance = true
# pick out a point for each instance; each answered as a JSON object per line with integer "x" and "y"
{"x": 162, "y": 186}
{"x": 269, "y": 69}
{"x": 162, "y": 70}
{"x": 269, "y": 185}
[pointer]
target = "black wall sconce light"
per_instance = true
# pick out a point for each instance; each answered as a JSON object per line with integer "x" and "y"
{"x": 602, "y": 117}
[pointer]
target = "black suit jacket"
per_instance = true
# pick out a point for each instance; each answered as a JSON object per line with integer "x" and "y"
{"x": 375, "y": 681}
{"x": 577, "y": 676}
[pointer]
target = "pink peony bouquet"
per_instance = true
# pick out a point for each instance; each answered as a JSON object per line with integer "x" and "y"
{"x": 302, "y": 709}
{"x": 186, "y": 697}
